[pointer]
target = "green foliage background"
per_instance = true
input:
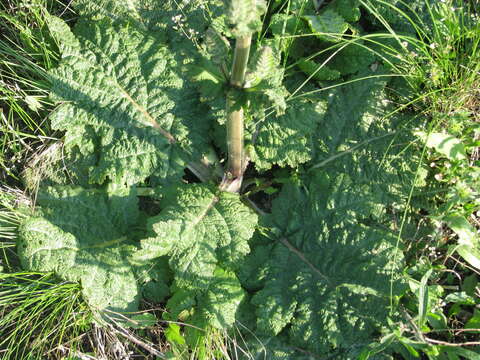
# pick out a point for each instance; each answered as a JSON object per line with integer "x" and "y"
{"x": 312, "y": 257}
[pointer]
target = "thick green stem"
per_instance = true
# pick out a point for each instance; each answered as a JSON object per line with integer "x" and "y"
{"x": 240, "y": 60}
{"x": 235, "y": 140}
{"x": 236, "y": 156}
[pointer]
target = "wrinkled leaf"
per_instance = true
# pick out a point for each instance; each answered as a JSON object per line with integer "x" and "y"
{"x": 289, "y": 139}
{"x": 337, "y": 286}
{"x": 83, "y": 235}
{"x": 126, "y": 86}
{"x": 199, "y": 228}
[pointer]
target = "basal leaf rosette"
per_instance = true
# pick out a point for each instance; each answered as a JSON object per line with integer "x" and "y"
{"x": 123, "y": 98}
{"x": 205, "y": 233}
{"x": 327, "y": 274}
{"x": 83, "y": 235}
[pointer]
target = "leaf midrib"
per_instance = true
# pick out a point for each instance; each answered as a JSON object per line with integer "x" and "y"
{"x": 171, "y": 139}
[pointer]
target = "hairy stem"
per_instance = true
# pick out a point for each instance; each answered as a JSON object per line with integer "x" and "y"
{"x": 235, "y": 140}
{"x": 236, "y": 155}
{"x": 240, "y": 60}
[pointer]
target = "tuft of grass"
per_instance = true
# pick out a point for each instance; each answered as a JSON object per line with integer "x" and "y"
{"x": 441, "y": 63}
{"x": 14, "y": 206}
{"x": 27, "y": 52}
{"x": 40, "y": 318}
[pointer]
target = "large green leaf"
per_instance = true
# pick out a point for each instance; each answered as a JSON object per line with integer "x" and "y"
{"x": 318, "y": 71}
{"x": 351, "y": 59}
{"x": 324, "y": 281}
{"x": 400, "y": 15}
{"x": 468, "y": 242}
{"x": 83, "y": 235}
{"x": 205, "y": 233}
{"x": 446, "y": 144}
{"x": 215, "y": 306}
{"x": 327, "y": 278}
{"x": 137, "y": 10}
{"x": 200, "y": 228}
{"x": 354, "y": 114}
{"x": 360, "y": 135}
{"x": 125, "y": 101}
{"x": 301, "y": 6}
{"x": 349, "y": 9}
